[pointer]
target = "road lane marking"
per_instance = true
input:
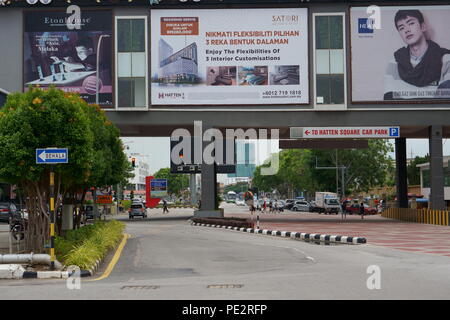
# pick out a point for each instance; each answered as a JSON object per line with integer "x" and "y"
{"x": 114, "y": 259}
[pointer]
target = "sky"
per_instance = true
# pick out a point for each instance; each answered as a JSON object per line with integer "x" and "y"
{"x": 156, "y": 151}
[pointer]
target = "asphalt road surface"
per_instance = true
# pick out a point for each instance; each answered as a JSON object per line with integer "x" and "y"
{"x": 167, "y": 258}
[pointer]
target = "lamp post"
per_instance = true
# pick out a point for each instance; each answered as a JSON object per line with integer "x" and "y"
{"x": 98, "y": 65}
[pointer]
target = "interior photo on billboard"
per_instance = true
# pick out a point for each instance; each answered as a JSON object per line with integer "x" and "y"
{"x": 405, "y": 56}
{"x": 69, "y": 59}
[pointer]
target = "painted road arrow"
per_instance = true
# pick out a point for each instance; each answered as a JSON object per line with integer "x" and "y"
{"x": 52, "y": 156}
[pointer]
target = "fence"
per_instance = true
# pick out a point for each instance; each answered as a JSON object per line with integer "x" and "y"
{"x": 426, "y": 216}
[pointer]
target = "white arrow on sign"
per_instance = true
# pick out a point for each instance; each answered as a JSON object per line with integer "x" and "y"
{"x": 42, "y": 156}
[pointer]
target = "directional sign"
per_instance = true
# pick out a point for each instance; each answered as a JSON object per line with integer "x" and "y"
{"x": 104, "y": 199}
{"x": 351, "y": 132}
{"x": 52, "y": 156}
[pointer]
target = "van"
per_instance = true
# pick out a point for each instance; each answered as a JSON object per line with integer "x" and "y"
{"x": 137, "y": 209}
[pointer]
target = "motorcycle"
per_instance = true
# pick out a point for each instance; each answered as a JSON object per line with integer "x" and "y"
{"x": 18, "y": 225}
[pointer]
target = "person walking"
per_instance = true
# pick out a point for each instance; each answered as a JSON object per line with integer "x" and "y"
{"x": 165, "y": 210}
{"x": 270, "y": 206}
{"x": 264, "y": 206}
{"x": 344, "y": 210}
{"x": 361, "y": 210}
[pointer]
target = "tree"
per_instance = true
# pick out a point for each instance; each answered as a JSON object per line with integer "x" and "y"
{"x": 176, "y": 182}
{"x": 51, "y": 118}
{"x": 413, "y": 171}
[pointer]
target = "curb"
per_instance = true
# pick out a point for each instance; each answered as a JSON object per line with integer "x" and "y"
{"x": 58, "y": 274}
{"x": 293, "y": 235}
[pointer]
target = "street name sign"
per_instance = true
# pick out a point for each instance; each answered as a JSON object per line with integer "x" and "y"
{"x": 349, "y": 132}
{"x": 52, "y": 156}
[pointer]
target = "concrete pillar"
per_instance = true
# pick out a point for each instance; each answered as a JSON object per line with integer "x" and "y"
{"x": 67, "y": 217}
{"x": 193, "y": 189}
{"x": 209, "y": 185}
{"x": 401, "y": 172}
{"x": 437, "y": 201}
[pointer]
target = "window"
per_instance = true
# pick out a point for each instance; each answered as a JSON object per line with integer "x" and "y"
{"x": 329, "y": 59}
{"x": 131, "y": 63}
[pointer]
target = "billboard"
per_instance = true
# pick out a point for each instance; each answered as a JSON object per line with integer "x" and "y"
{"x": 158, "y": 188}
{"x": 230, "y": 56}
{"x": 404, "y": 56}
{"x": 70, "y": 60}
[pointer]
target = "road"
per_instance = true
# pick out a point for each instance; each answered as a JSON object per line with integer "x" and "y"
{"x": 167, "y": 258}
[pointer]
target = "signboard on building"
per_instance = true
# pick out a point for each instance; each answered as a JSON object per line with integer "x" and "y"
{"x": 229, "y": 56}
{"x": 404, "y": 56}
{"x": 70, "y": 60}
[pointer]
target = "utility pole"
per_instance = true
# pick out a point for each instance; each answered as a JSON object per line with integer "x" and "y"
{"x": 342, "y": 176}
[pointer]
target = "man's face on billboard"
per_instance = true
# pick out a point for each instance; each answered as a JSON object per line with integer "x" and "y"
{"x": 410, "y": 30}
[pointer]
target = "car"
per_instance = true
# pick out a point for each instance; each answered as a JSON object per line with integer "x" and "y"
{"x": 137, "y": 209}
{"x": 300, "y": 205}
{"x": 7, "y": 210}
{"x": 240, "y": 202}
{"x": 354, "y": 209}
{"x": 88, "y": 212}
{"x": 289, "y": 203}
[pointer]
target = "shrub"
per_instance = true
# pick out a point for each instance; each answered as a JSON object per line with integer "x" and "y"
{"x": 84, "y": 246}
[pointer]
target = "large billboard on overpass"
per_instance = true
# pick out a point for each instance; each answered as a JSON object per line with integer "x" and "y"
{"x": 230, "y": 56}
{"x": 401, "y": 54}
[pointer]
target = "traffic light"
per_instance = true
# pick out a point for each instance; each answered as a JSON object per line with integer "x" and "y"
{"x": 133, "y": 162}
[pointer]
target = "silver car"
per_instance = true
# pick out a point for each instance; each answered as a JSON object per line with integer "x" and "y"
{"x": 137, "y": 209}
{"x": 300, "y": 205}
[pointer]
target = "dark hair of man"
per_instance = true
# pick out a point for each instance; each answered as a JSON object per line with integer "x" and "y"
{"x": 85, "y": 42}
{"x": 403, "y": 14}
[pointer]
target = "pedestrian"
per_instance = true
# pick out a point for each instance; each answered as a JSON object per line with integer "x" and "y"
{"x": 264, "y": 206}
{"x": 270, "y": 206}
{"x": 165, "y": 210}
{"x": 361, "y": 210}
{"x": 344, "y": 210}
{"x": 275, "y": 207}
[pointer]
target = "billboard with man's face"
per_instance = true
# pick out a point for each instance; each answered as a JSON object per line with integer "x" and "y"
{"x": 69, "y": 59}
{"x": 403, "y": 57}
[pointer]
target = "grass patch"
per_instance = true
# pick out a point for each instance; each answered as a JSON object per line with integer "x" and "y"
{"x": 84, "y": 246}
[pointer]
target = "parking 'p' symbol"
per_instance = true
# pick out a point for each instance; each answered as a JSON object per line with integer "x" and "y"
{"x": 394, "y": 132}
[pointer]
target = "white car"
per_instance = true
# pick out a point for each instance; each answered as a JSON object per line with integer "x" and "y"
{"x": 240, "y": 202}
{"x": 300, "y": 205}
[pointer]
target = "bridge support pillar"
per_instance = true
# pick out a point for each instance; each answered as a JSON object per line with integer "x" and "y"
{"x": 437, "y": 200}
{"x": 401, "y": 172}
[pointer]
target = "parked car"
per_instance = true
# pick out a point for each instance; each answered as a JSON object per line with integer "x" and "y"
{"x": 240, "y": 202}
{"x": 301, "y": 205}
{"x": 354, "y": 209}
{"x": 88, "y": 212}
{"x": 137, "y": 209}
{"x": 289, "y": 204}
{"x": 7, "y": 209}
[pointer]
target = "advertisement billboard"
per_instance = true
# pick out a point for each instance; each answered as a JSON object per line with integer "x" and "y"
{"x": 69, "y": 59}
{"x": 404, "y": 56}
{"x": 230, "y": 56}
{"x": 158, "y": 188}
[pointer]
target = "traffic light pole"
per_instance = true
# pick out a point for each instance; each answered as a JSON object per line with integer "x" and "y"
{"x": 52, "y": 218}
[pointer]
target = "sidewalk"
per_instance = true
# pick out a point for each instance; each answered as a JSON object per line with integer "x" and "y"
{"x": 377, "y": 230}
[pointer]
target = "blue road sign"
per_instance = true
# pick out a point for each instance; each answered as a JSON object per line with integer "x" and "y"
{"x": 394, "y": 132}
{"x": 52, "y": 156}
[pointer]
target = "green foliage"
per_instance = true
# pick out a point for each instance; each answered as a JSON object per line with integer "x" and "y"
{"x": 176, "y": 182}
{"x": 41, "y": 119}
{"x": 84, "y": 246}
{"x": 297, "y": 170}
{"x": 126, "y": 204}
{"x": 414, "y": 171}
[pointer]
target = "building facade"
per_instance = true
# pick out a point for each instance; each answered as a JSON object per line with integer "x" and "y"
{"x": 288, "y": 64}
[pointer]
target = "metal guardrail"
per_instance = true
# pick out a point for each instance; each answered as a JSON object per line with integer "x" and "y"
{"x": 425, "y": 216}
